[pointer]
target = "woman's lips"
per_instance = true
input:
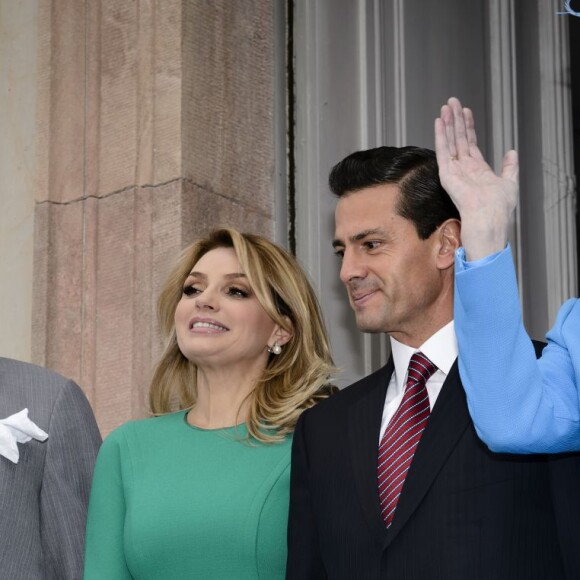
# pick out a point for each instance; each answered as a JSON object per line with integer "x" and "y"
{"x": 206, "y": 326}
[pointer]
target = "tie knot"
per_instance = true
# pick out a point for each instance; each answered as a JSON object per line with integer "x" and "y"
{"x": 420, "y": 368}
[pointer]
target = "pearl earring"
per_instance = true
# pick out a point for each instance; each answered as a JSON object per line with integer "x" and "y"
{"x": 276, "y": 349}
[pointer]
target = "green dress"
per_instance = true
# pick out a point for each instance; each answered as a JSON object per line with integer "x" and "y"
{"x": 171, "y": 501}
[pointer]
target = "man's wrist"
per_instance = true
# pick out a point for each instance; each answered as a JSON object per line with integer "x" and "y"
{"x": 482, "y": 240}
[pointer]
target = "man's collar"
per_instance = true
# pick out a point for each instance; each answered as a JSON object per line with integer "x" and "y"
{"x": 440, "y": 348}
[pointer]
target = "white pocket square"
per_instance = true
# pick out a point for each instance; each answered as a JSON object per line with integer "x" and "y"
{"x": 18, "y": 428}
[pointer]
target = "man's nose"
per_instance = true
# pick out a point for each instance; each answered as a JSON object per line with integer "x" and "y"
{"x": 352, "y": 267}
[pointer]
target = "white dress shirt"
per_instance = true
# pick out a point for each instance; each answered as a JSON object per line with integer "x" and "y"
{"x": 440, "y": 349}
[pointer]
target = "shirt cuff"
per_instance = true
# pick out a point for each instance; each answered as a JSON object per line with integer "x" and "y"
{"x": 464, "y": 264}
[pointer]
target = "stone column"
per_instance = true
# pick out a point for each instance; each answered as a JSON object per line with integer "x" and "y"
{"x": 155, "y": 125}
{"x": 18, "y": 53}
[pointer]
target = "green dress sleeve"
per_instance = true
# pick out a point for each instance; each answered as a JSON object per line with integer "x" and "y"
{"x": 104, "y": 546}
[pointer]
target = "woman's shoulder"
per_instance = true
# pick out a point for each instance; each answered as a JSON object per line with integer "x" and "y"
{"x": 145, "y": 428}
{"x": 569, "y": 315}
{"x": 571, "y": 306}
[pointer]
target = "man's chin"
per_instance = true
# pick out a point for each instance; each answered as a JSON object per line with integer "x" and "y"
{"x": 368, "y": 326}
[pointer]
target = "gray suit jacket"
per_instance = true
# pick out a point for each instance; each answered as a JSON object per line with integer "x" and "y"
{"x": 43, "y": 498}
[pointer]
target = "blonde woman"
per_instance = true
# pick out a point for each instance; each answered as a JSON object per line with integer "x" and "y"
{"x": 201, "y": 490}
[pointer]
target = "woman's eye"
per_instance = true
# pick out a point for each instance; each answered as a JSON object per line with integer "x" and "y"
{"x": 237, "y": 292}
{"x": 190, "y": 290}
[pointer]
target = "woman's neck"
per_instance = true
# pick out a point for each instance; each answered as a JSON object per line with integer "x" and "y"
{"x": 222, "y": 398}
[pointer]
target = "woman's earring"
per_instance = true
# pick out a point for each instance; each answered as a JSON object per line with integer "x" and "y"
{"x": 276, "y": 349}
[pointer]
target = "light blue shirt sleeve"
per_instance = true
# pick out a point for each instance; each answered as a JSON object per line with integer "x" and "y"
{"x": 518, "y": 404}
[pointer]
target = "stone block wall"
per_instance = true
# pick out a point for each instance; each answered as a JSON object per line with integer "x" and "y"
{"x": 155, "y": 124}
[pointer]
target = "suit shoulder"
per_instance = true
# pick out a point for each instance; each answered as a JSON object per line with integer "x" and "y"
{"x": 349, "y": 395}
{"x": 25, "y": 376}
{"x": 56, "y": 404}
{"x": 539, "y": 346}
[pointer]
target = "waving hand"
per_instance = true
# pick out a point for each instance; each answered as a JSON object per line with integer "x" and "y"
{"x": 485, "y": 200}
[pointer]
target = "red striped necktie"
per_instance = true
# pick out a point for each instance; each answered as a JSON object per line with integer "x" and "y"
{"x": 403, "y": 434}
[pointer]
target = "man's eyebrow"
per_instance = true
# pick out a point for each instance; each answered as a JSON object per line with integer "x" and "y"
{"x": 358, "y": 237}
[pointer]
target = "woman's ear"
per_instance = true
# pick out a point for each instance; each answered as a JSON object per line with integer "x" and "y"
{"x": 449, "y": 233}
{"x": 280, "y": 335}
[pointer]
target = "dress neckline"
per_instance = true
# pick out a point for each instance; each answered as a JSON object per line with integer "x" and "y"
{"x": 230, "y": 428}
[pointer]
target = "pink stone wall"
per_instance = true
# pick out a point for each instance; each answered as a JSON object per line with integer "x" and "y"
{"x": 155, "y": 125}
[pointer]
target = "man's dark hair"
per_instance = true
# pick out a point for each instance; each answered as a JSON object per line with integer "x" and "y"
{"x": 423, "y": 200}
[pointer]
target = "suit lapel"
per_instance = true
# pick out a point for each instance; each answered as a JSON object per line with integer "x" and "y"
{"x": 363, "y": 432}
{"x": 446, "y": 425}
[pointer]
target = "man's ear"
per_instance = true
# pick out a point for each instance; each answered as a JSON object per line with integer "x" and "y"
{"x": 449, "y": 233}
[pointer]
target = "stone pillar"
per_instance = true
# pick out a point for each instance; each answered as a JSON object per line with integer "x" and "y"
{"x": 18, "y": 54}
{"x": 155, "y": 125}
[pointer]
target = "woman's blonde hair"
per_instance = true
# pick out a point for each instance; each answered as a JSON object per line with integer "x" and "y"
{"x": 295, "y": 379}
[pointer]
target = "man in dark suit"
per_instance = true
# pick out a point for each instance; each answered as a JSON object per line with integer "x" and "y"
{"x": 389, "y": 479}
{"x": 48, "y": 445}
